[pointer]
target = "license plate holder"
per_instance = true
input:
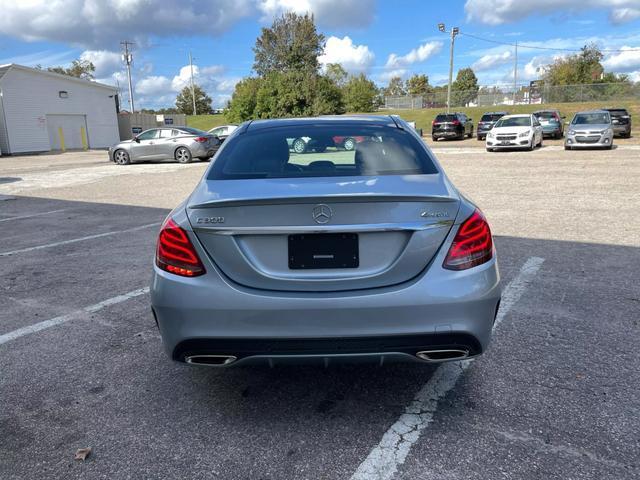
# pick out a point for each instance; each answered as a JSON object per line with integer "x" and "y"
{"x": 323, "y": 250}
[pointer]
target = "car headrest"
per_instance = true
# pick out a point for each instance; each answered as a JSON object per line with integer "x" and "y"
{"x": 271, "y": 156}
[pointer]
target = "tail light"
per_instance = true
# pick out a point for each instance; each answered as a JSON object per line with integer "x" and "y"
{"x": 201, "y": 139}
{"x": 433, "y": 123}
{"x": 456, "y": 122}
{"x": 175, "y": 252}
{"x": 472, "y": 245}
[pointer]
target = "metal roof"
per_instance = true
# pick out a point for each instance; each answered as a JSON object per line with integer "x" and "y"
{"x": 5, "y": 68}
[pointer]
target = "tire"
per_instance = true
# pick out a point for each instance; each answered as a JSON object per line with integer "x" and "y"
{"x": 434, "y": 139}
{"x": 609, "y": 147}
{"x": 182, "y": 155}
{"x": 121, "y": 157}
{"x": 566, "y": 147}
{"x": 532, "y": 146}
{"x": 299, "y": 146}
{"x": 349, "y": 144}
{"x": 479, "y": 138}
{"x": 489, "y": 149}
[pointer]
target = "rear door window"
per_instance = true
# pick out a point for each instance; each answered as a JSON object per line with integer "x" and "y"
{"x": 318, "y": 151}
{"x": 492, "y": 117}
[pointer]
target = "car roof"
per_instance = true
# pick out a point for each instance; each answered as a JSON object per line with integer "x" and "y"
{"x": 496, "y": 113}
{"x": 517, "y": 115}
{"x": 547, "y": 110}
{"x": 614, "y": 108}
{"x": 379, "y": 120}
{"x": 599, "y": 110}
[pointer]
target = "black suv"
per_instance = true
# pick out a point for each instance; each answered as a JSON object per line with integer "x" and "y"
{"x": 487, "y": 122}
{"x": 620, "y": 121}
{"x": 451, "y": 125}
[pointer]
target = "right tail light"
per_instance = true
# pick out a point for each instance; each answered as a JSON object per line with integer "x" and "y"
{"x": 472, "y": 245}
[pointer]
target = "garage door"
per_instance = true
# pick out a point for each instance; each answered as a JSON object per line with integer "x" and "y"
{"x": 67, "y": 131}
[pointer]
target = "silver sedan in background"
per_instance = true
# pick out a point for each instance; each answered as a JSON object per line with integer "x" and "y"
{"x": 590, "y": 129}
{"x": 176, "y": 143}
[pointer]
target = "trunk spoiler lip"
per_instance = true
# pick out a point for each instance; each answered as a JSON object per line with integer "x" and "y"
{"x": 341, "y": 198}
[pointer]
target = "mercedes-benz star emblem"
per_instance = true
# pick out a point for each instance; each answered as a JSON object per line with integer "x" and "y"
{"x": 322, "y": 213}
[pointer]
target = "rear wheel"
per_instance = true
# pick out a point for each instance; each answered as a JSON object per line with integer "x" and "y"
{"x": 489, "y": 149}
{"x": 183, "y": 155}
{"x": 299, "y": 145}
{"x": 121, "y": 157}
{"x": 349, "y": 144}
{"x": 567, "y": 147}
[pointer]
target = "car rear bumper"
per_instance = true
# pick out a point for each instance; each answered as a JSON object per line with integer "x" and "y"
{"x": 211, "y": 315}
{"x": 621, "y": 129}
{"x": 446, "y": 134}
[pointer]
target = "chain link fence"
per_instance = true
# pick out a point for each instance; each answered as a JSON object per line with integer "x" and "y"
{"x": 523, "y": 95}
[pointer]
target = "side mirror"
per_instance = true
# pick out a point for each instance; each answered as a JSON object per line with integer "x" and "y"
{"x": 136, "y": 139}
{"x": 563, "y": 117}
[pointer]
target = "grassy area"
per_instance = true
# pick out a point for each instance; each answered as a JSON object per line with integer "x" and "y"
{"x": 424, "y": 117}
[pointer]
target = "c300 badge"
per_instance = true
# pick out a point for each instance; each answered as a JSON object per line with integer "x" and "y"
{"x": 209, "y": 220}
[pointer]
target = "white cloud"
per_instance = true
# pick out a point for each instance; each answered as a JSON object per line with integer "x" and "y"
{"x": 388, "y": 75}
{"x": 497, "y": 12}
{"x": 105, "y": 61}
{"x": 102, "y": 23}
{"x": 353, "y": 58}
{"x": 624, "y": 15}
{"x": 489, "y": 61}
{"x": 625, "y": 61}
{"x": 160, "y": 91}
{"x": 420, "y": 54}
{"x": 154, "y": 85}
{"x": 328, "y": 13}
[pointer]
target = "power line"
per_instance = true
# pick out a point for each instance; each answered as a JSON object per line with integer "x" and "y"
{"x": 536, "y": 47}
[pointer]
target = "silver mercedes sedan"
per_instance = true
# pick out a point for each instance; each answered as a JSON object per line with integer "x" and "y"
{"x": 368, "y": 254}
{"x": 182, "y": 144}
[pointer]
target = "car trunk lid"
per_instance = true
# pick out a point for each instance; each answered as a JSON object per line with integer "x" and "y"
{"x": 323, "y": 234}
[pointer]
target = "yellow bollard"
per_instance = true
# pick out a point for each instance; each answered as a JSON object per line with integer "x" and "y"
{"x": 61, "y": 135}
{"x": 83, "y": 134}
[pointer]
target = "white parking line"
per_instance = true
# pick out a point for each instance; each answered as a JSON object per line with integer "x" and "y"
{"x": 383, "y": 461}
{"x": 20, "y": 217}
{"x": 75, "y": 240}
{"x": 37, "y": 327}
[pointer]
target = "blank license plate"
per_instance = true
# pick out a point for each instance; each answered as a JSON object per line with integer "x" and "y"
{"x": 323, "y": 250}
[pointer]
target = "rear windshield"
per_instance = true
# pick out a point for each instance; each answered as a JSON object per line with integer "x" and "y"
{"x": 193, "y": 131}
{"x": 321, "y": 151}
{"x": 446, "y": 118}
{"x": 546, "y": 115}
{"x": 491, "y": 117}
{"x": 618, "y": 113}
{"x": 514, "y": 122}
{"x": 591, "y": 118}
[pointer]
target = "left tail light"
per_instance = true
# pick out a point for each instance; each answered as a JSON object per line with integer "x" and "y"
{"x": 175, "y": 252}
{"x": 201, "y": 139}
{"x": 472, "y": 245}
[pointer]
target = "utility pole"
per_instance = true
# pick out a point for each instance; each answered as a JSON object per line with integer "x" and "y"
{"x": 515, "y": 75}
{"x": 128, "y": 59}
{"x": 454, "y": 32}
{"x": 193, "y": 90}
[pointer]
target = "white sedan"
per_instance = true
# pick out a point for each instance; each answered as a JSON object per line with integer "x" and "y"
{"x": 515, "y": 131}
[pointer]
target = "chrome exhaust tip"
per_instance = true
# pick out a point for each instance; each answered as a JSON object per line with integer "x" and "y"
{"x": 442, "y": 355}
{"x": 211, "y": 360}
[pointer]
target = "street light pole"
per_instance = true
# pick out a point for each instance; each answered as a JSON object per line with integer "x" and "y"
{"x": 454, "y": 31}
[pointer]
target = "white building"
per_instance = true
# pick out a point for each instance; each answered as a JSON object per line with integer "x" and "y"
{"x": 42, "y": 111}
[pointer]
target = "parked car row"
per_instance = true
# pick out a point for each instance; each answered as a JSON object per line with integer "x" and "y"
{"x": 458, "y": 126}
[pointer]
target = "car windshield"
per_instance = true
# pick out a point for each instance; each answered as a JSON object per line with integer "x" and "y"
{"x": 491, "y": 117}
{"x": 193, "y": 131}
{"x": 597, "y": 118}
{"x": 546, "y": 116}
{"x": 445, "y": 118}
{"x": 318, "y": 151}
{"x": 514, "y": 122}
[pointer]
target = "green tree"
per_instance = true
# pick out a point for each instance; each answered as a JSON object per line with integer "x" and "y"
{"x": 418, "y": 85}
{"x": 337, "y": 74}
{"x": 583, "y": 67}
{"x": 242, "y": 105}
{"x": 328, "y": 97}
{"x": 184, "y": 101}
{"x": 395, "y": 88}
{"x": 79, "y": 68}
{"x": 465, "y": 87}
{"x": 360, "y": 94}
{"x": 291, "y": 43}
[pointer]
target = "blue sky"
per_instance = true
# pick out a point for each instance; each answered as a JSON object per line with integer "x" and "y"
{"x": 380, "y": 38}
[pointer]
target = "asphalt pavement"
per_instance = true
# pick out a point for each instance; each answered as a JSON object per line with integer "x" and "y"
{"x": 555, "y": 396}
